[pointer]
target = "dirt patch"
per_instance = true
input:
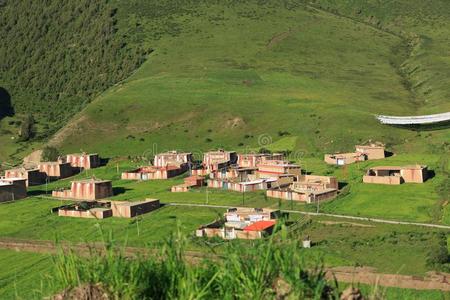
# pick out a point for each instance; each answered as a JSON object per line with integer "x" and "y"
{"x": 235, "y": 122}
{"x": 67, "y": 130}
{"x": 277, "y": 38}
{"x": 33, "y": 158}
{"x": 345, "y": 223}
{"x": 433, "y": 280}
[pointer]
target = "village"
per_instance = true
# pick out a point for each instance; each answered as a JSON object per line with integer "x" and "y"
{"x": 271, "y": 173}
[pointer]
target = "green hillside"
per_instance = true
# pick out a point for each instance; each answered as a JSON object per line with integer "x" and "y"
{"x": 223, "y": 75}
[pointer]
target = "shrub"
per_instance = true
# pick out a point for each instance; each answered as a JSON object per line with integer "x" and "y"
{"x": 49, "y": 154}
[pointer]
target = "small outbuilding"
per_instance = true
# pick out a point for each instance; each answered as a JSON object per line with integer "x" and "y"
{"x": 125, "y": 209}
{"x": 32, "y": 176}
{"x": 56, "y": 170}
{"x": 88, "y": 189}
{"x": 84, "y": 160}
{"x": 395, "y": 175}
{"x": 12, "y": 189}
{"x": 152, "y": 172}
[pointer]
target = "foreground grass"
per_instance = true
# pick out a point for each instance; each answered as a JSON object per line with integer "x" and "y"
{"x": 262, "y": 271}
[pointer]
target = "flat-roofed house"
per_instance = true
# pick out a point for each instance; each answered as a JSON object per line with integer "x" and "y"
{"x": 244, "y": 186}
{"x": 372, "y": 151}
{"x": 56, "y": 170}
{"x": 362, "y": 152}
{"x": 84, "y": 160}
{"x": 215, "y": 160}
{"x": 237, "y": 214}
{"x": 172, "y": 158}
{"x": 302, "y": 195}
{"x": 12, "y": 189}
{"x": 189, "y": 183}
{"x": 341, "y": 159}
{"x": 251, "y": 160}
{"x": 152, "y": 172}
{"x": 32, "y": 176}
{"x": 87, "y": 189}
{"x": 308, "y": 188}
{"x": 90, "y": 209}
{"x": 316, "y": 182}
{"x": 396, "y": 175}
{"x": 267, "y": 169}
{"x": 125, "y": 209}
{"x": 242, "y": 223}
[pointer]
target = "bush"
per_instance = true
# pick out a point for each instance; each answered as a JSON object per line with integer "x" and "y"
{"x": 27, "y": 129}
{"x": 49, "y": 154}
{"x": 438, "y": 253}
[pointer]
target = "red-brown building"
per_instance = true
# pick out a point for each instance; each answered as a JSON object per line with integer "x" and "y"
{"x": 84, "y": 160}
{"x": 189, "y": 183}
{"x": 88, "y": 189}
{"x": 172, "y": 158}
{"x": 56, "y": 170}
{"x": 32, "y": 176}
{"x": 242, "y": 223}
{"x": 269, "y": 169}
{"x": 252, "y": 160}
{"x": 125, "y": 209}
{"x": 363, "y": 152}
{"x": 152, "y": 172}
{"x": 396, "y": 175}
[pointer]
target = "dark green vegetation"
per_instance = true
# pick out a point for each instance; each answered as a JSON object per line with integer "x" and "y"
{"x": 57, "y": 56}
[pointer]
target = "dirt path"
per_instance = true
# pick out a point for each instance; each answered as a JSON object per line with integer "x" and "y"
{"x": 277, "y": 38}
{"x": 433, "y": 280}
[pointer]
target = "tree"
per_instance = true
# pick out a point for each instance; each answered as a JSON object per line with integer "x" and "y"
{"x": 27, "y": 130}
{"x": 49, "y": 154}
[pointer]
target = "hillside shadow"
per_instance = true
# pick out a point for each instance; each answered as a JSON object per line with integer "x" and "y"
{"x": 388, "y": 153}
{"x": 430, "y": 175}
{"x": 341, "y": 185}
{"x": 6, "y": 108}
{"x": 120, "y": 190}
{"x": 104, "y": 161}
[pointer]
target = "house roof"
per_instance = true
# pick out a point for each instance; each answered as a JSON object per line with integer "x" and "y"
{"x": 259, "y": 226}
{"x": 398, "y": 168}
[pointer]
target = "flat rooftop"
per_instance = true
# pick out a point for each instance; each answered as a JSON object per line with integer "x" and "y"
{"x": 398, "y": 168}
{"x": 249, "y": 210}
{"x": 91, "y": 181}
{"x": 133, "y": 203}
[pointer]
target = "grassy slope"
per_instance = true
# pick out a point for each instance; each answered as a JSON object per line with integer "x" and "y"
{"x": 221, "y": 78}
